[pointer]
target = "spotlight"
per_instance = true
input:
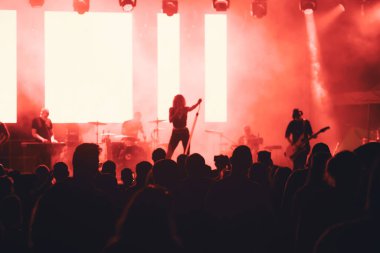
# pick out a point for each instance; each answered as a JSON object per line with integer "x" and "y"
{"x": 341, "y": 7}
{"x": 81, "y": 6}
{"x": 308, "y": 6}
{"x": 221, "y": 5}
{"x": 127, "y": 5}
{"x": 170, "y": 7}
{"x": 36, "y": 3}
{"x": 259, "y": 8}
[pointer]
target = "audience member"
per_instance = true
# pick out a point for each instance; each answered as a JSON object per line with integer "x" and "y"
{"x": 338, "y": 203}
{"x": 74, "y": 216}
{"x": 158, "y": 154}
{"x": 147, "y": 224}
{"x": 242, "y": 206}
{"x": 60, "y": 172}
{"x": 127, "y": 178}
{"x": 359, "y": 235}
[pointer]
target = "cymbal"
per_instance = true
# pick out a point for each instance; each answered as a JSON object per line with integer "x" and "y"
{"x": 124, "y": 136}
{"x": 97, "y": 123}
{"x": 156, "y": 121}
{"x": 213, "y": 131}
{"x": 273, "y": 147}
{"x": 108, "y": 134}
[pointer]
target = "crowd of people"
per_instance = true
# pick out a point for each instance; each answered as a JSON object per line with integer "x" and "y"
{"x": 326, "y": 203}
{"x": 184, "y": 205}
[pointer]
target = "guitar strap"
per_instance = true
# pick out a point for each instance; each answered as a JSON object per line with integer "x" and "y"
{"x": 303, "y": 128}
{"x": 305, "y": 135}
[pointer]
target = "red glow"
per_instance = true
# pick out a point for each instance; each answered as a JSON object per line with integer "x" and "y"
{"x": 8, "y": 66}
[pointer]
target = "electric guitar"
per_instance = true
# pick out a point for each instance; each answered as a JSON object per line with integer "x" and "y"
{"x": 299, "y": 146}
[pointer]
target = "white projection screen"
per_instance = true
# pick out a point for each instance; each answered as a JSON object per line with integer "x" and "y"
{"x": 216, "y": 67}
{"x": 8, "y": 66}
{"x": 88, "y": 67}
{"x": 168, "y": 61}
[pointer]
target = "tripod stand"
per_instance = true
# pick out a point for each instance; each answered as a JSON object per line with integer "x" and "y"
{"x": 155, "y": 135}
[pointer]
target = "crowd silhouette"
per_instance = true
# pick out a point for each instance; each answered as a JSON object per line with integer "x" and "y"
{"x": 237, "y": 205}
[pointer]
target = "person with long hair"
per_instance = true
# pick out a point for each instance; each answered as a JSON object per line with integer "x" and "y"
{"x": 178, "y": 116}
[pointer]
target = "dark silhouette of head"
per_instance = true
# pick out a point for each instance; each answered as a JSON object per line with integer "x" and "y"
{"x": 127, "y": 176}
{"x": 43, "y": 175}
{"x": 42, "y": 171}
{"x": 181, "y": 160}
{"x": 60, "y": 171}
{"x": 158, "y": 154}
{"x": 196, "y": 166}
{"x": 147, "y": 220}
{"x": 109, "y": 167}
{"x": 343, "y": 170}
{"x": 265, "y": 157}
{"x": 179, "y": 101}
{"x": 297, "y": 113}
{"x": 241, "y": 160}
{"x": 367, "y": 154}
{"x": 320, "y": 147}
{"x": 165, "y": 173}
{"x": 86, "y": 162}
{"x": 142, "y": 171}
{"x": 317, "y": 167}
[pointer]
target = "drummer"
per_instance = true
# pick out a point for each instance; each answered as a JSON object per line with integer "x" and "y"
{"x": 250, "y": 140}
{"x": 131, "y": 129}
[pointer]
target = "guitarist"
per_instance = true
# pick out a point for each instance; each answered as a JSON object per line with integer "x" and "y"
{"x": 298, "y": 133}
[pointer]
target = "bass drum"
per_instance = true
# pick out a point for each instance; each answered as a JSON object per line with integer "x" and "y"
{"x": 129, "y": 156}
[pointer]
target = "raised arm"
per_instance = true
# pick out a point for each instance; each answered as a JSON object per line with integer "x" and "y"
{"x": 195, "y": 105}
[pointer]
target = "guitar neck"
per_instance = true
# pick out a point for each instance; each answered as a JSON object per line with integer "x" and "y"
{"x": 317, "y": 133}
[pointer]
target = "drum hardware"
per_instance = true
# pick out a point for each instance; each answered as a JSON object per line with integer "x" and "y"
{"x": 97, "y": 124}
{"x": 273, "y": 147}
{"x": 155, "y": 134}
{"x": 221, "y": 137}
{"x": 108, "y": 134}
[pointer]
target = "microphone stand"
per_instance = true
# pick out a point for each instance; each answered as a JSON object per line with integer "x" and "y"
{"x": 192, "y": 131}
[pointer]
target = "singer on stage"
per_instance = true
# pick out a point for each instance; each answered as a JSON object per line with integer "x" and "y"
{"x": 178, "y": 116}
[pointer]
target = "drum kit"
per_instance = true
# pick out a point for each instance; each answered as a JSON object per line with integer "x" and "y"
{"x": 126, "y": 150}
{"x": 226, "y": 141}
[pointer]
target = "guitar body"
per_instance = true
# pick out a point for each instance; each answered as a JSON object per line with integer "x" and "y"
{"x": 301, "y": 145}
{"x": 292, "y": 151}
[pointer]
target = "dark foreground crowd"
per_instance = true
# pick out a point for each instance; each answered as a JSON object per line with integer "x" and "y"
{"x": 332, "y": 205}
